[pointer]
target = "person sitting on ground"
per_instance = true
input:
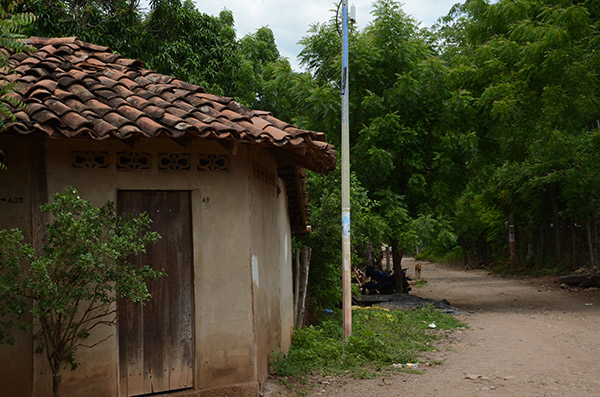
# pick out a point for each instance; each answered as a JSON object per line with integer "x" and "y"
{"x": 381, "y": 282}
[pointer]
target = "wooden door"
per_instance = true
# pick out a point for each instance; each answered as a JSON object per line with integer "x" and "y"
{"x": 156, "y": 338}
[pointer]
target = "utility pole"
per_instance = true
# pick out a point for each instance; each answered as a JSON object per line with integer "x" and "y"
{"x": 346, "y": 264}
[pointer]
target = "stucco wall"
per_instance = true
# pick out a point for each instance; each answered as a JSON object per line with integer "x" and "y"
{"x": 15, "y": 203}
{"x": 286, "y": 298}
{"x": 270, "y": 262}
{"x": 235, "y": 217}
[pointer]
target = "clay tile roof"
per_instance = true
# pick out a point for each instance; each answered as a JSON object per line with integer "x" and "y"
{"x": 73, "y": 88}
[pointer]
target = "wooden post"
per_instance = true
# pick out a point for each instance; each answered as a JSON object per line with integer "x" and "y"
{"x": 302, "y": 281}
{"x": 296, "y": 285}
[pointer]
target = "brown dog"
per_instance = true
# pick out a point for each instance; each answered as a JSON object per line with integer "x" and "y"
{"x": 418, "y": 270}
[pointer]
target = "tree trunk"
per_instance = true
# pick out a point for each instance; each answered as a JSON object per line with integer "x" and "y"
{"x": 56, "y": 378}
{"x": 397, "y": 261}
{"x": 369, "y": 254}
{"x": 386, "y": 255}
{"x": 475, "y": 250}
{"x": 556, "y": 221}
{"x": 542, "y": 252}
{"x": 573, "y": 246}
{"x": 590, "y": 243}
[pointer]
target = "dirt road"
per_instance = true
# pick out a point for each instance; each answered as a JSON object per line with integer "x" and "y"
{"x": 527, "y": 337}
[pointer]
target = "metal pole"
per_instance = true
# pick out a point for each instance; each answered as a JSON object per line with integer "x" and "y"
{"x": 346, "y": 265}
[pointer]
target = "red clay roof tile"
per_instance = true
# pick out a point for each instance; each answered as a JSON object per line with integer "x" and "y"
{"x": 154, "y": 111}
{"x": 123, "y": 91}
{"x": 58, "y": 106}
{"x": 260, "y": 123}
{"x": 170, "y": 120}
{"x": 197, "y": 123}
{"x": 130, "y": 112}
{"x": 44, "y": 116}
{"x": 89, "y": 90}
{"x": 115, "y": 119}
{"x": 106, "y": 94}
{"x": 129, "y": 130}
{"x": 149, "y": 126}
{"x": 107, "y": 81}
{"x": 74, "y": 120}
{"x": 128, "y": 83}
{"x": 276, "y": 133}
{"x": 102, "y": 128}
{"x": 116, "y": 101}
{"x": 98, "y": 107}
{"x": 177, "y": 112}
{"x": 137, "y": 101}
{"x": 39, "y": 93}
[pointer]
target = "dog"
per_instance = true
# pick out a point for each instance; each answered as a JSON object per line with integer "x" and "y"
{"x": 418, "y": 270}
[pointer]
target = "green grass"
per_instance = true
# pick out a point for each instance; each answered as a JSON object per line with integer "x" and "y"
{"x": 419, "y": 283}
{"x": 380, "y": 337}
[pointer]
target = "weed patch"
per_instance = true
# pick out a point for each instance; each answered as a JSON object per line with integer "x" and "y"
{"x": 380, "y": 337}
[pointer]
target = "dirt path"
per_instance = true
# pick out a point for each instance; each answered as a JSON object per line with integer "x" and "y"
{"x": 526, "y": 338}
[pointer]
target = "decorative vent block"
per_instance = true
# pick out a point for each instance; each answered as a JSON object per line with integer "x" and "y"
{"x": 89, "y": 159}
{"x": 263, "y": 174}
{"x": 174, "y": 161}
{"x": 213, "y": 162}
{"x": 133, "y": 161}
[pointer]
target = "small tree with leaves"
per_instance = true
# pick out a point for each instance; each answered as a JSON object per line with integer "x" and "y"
{"x": 72, "y": 286}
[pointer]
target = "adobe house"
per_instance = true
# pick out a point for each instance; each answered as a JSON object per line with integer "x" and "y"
{"x": 225, "y": 186}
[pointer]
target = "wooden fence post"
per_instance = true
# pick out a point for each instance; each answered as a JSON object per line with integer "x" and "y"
{"x": 302, "y": 269}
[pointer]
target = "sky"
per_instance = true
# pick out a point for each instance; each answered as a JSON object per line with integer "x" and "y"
{"x": 290, "y": 19}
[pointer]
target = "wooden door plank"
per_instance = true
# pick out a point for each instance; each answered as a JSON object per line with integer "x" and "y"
{"x": 179, "y": 248}
{"x": 131, "y": 352}
{"x": 155, "y": 310}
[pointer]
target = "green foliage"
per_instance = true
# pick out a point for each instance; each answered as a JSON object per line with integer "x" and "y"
{"x": 325, "y": 239}
{"x": 409, "y": 147}
{"x": 531, "y": 70}
{"x": 74, "y": 282}
{"x": 11, "y": 23}
{"x": 199, "y": 48}
{"x": 380, "y": 337}
{"x": 113, "y": 23}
